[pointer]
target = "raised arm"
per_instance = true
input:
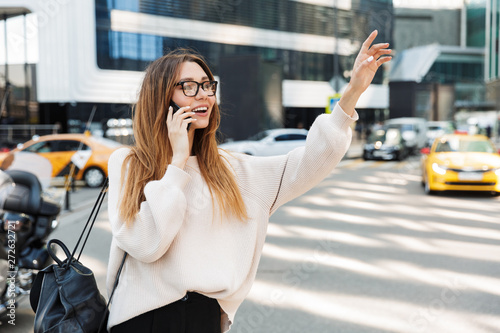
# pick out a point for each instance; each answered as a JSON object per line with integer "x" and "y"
{"x": 330, "y": 135}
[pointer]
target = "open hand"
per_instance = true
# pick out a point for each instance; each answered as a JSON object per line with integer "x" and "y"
{"x": 367, "y": 62}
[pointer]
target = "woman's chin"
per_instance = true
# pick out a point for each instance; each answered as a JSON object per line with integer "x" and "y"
{"x": 200, "y": 125}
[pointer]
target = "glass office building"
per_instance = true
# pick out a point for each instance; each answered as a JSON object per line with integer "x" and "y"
{"x": 94, "y": 52}
{"x": 492, "y": 65}
{"x": 302, "y": 38}
{"x": 475, "y": 11}
{"x": 445, "y": 74}
{"x": 293, "y": 20}
{"x": 492, "y": 40}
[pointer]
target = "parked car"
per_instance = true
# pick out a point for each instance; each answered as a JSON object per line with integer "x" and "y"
{"x": 88, "y": 153}
{"x": 461, "y": 162}
{"x": 6, "y": 146}
{"x": 271, "y": 142}
{"x": 412, "y": 129}
{"x": 386, "y": 144}
{"x": 438, "y": 128}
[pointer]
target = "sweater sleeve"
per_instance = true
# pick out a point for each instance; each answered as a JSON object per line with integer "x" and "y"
{"x": 326, "y": 144}
{"x": 160, "y": 216}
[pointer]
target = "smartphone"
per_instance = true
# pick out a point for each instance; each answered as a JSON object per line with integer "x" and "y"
{"x": 176, "y": 107}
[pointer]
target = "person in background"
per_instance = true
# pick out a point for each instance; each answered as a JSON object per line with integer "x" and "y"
{"x": 192, "y": 217}
{"x": 488, "y": 131}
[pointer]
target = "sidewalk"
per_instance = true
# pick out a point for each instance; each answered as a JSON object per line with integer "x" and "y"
{"x": 79, "y": 199}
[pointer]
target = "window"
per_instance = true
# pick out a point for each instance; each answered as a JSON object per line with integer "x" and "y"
{"x": 69, "y": 145}
{"x": 297, "y": 137}
{"x": 40, "y": 147}
{"x": 127, "y": 51}
{"x": 464, "y": 146}
{"x": 290, "y": 137}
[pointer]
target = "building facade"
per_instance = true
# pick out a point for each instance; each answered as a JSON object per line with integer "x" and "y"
{"x": 441, "y": 73}
{"x": 492, "y": 65}
{"x": 93, "y": 52}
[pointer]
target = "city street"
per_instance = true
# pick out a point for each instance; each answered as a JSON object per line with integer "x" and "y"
{"x": 364, "y": 251}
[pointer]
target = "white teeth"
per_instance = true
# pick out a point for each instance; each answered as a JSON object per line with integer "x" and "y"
{"x": 203, "y": 108}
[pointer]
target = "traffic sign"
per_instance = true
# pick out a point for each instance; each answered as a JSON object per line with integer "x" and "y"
{"x": 332, "y": 100}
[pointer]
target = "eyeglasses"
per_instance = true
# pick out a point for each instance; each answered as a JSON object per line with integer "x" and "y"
{"x": 191, "y": 88}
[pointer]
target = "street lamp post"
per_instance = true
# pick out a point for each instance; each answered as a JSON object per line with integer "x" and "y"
{"x": 336, "y": 84}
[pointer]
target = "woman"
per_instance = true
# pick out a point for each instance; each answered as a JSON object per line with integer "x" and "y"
{"x": 193, "y": 218}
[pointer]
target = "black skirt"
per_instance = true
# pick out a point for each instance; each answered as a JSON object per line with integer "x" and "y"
{"x": 194, "y": 313}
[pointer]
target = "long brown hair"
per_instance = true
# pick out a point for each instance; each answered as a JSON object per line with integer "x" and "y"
{"x": 149, "y": 158}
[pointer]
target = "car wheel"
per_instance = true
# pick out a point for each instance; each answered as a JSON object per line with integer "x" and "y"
{"x": 94, "y": 177}
{"x": 427, "y": 188}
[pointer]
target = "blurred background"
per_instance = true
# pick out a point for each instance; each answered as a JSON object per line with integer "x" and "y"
{"x": 281, "y": 63}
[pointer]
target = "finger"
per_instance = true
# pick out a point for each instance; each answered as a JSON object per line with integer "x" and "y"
{"x": 381, "y": 53}
{"x": 187, "y": 123}
{"x": 186, "y": 115}
{"x": 189, "y": 120}
{"x": 377, "y": 47}
{"x": 369, "y": 41}
{"x": 182, "y": 110}
{"x": 169, "y": 113}
{"x": 383, "y": 60}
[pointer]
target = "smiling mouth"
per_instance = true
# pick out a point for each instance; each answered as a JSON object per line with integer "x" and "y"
{"x": 202, "y": 109}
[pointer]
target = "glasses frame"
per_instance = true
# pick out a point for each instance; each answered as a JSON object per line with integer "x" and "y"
{"x": 199, "y": 84}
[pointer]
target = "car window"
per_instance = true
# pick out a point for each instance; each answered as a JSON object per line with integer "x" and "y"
{"x": 392, "y": 137}
{"x": 298, "y": 137}
{"x": 259, "y": 136}
{"x": 70, "y": 145}
{"x": 478, "y": 146}
{"x": 406, "y": 128}
{"x": 40, "y": 147}
{"x": 282, "y": 137}
{"x": 444, "y": 146}
{"x": 107, "y": 142}
{"x": 378, "y": 135}
{"x": 464, "y": 146}
{"x": 290, "y": 137}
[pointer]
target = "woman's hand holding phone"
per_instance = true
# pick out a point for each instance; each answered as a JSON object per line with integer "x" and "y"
{"x": 178, "y": 121}
{"x": 176, "y": 108}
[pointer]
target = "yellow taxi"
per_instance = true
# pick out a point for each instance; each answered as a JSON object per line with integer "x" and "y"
{"x": 87, "y": 153}
{"x": 461, "y": 162}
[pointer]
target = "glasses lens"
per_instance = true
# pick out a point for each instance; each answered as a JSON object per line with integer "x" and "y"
{"x": 190, "y": 88}
{"x": 210, "y": 87}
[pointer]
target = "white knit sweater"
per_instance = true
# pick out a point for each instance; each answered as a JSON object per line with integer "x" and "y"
{"x": 175, "y": 245}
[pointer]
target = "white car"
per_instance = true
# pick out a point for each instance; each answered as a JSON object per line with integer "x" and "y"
{"x": 412, "y": 129}
{"x": 271, "y": 142}
{"x": 437, "y": 129}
